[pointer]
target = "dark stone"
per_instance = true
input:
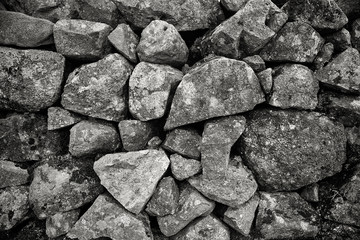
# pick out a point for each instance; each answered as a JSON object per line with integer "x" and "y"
{"x": 255, "y": 62}
{"x": 61, "y": 223}
{"x": 353, "y": 144}
{"x": 340, "y": 39}
{"x": 311, "y": 193}
{"x": 355, "y": 34}
{"x": 324, "y": 55}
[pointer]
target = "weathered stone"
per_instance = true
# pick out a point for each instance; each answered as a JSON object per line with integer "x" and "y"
{"x": 161, "y": 43}
{"x": 154, "y": 143}
{"x": 285, "y": 216}
{"x": 81, "y": 39}
{"x": 30, "y": 80}
{"x": 295, "y": 42}
{"x": 218, "y": 137}
{"x": 191, "y": 205}
{"x": 353, "y": 144}
{"x": 22, "y": 30}
{"x": 255, "y": 62}
{"x": 61, "y": 223}
{"x": 266, "y": 81}
{"x": 63, "y": 184}
{"x": 297, "y": 148}
{"x": 98, "y": 89}
{"x": 294, "y": 87}
{"x": 205, "y": 228}
{"x": 24, "y": 137}
{"x": 107, "y": 218}
{"x": 241, "y": 218}
{"x": 350, "y": 7}
{"x": 151, "y": 88}
{"x": 125, "y": 41}
{"x": 219, "y": 87}
{"x": 184, "y": 141}
{"x": 165, "y": 199}
{"x": 333, "y": 230}
{"x": 12, "y": 175}
{"x": 183, "y": 168}
{"x": 233, "y": 5}
{"x": 324, "y": 56}
{"x": 131, "y": 178}
{"x": 14, "y": 205}
{"x": 346, "y": 213}
{"x": 355, "y": 34}
{"x": 311, "y": 193}
{"x": 350, "y": 190}
{"x": 341, "y": 39}
{"x": 58, "y": 117}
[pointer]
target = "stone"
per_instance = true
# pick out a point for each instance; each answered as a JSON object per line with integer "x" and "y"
{"x": 241, "y": 219}
{"x": 233, "y": 5}
{"x": 24, "y": 137}
{"x": 311, "y": 193}
{"x": 183, "y": 168}
{"x": 2, "y": 7}
{"x": 204, "y": 228}
{"x": 346, "y": 213}
{"x": 58, "y": 118}
{"x": 161, "y": 43}
{"x": 165, "y": 199}
{"x": 98, "y": 89}
{"x": 255, "y": 62}
{"x": 90, "y": 137}
{"x": 286, "y": 216}
{"x": 131, "y": 177}
{"x": 12, "y": 175}
{"x": 266, "y": 81}
{"x": 353, "y": 144}
{"x": 107, "y": 218}
{"x": 61, "y": 223}
{"x": 21, "y": 30}
{"x": 355, "y": 34}
{"x": 219, "y": 87}
{"x": 125, "y": 41}
{"x": 14, "y": 205}
{"x": 343, "y": 72}
{"x": 297, "y": 148}
{"x": 191, "y": 205}
{"x": 154, "y": 143}
{"x": 350, "y": 190}
{"x": 151, "y": 88}
{"x": 323, "y": 15}
{"x": 324, "y": 56}
{"x": 350, "y": 7}
{"x": 62, "y": 184}
{"x": 294, "y": 87}
{"x": 30, "y": 80}
{"x": 218, "y": 137}
{"x": 295, "y": 42}
{"x": 81, "y": 39}
{"x": 184, "y": 141}
{"x": 188, "y": 15}
{"x": 340, "y": 39}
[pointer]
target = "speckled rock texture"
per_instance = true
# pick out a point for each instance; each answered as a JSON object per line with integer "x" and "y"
{"x": 341, "y": 39}
{"x": 60, "y": 223}
{"x": 12, "y": 175}
{"x": 183, "y": 168}
{"x": 58, "y": 118}
{"x": 233, "y": 5}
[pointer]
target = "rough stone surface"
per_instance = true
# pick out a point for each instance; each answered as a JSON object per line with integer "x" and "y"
{"x": 151, "y": 88}
{"x": 311, "y": 193}
{"x": 297, "y": 148}
{"x": 341, "y": 39}
{"x": 295, "y": 42}
{"x": 255, "y": 62}
{"x": 58, "y": 118}
{"x": 350, "y": 7}
{"x": 183, "y": 168}
{"x": 220, "y": 87}
{"x": 266, "y": 81}
{"x": 154, "y": 143}
{"x": 355, "y": 34}
{"x": 107, "y": 218}
{"x": 98, "y": 89}
{"x": 82, "y": 39}
{"x": 131, "y": 178}
{"x": 161, "y": 43}
{"x": 353, "y": 144}
{"x": 30, "y": 80}
{"x": 324, "y": 55}
{"x": 61, "y": 223}
{"x": 12, "y": 175}
{"x": 346, "y": 212}
{"x": 63, "y": 184}
{"x": 350, "y": 190}
{"x": 233, "y": 5}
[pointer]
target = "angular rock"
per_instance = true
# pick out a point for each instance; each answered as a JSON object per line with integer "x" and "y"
{"x": 12, "y": 175}
{"x": 125, "y": 41}
{"x": 98, "y": 89}
{"x": 151, "y": 88}
{"x": 294, "y": 87}
{"x": 63, "y": 184}
{"x": 22, "y": 30}
{"x": 165, "y": 199}
{"x": 154, "y": 143}
{"x": 285, "y": 216}
{"x": 324, "y": 56}
{"x": 14, "y": 205}
{"x": 341, "y": 39}
{"x": 233, "y": 5}
{"x": 219, "y": 87}
{"x": 295, "y": 42}
{"x": 58, "y": 118}
{"x": 30, "y": 80}
{"x": 266, "y": 81}
{"x": 131, "y": 178}
{"x": 183, "y": 168}
{"x": 350, "y": 190}
{"x": 353, "y": 144}
{"x": 255, "y": 62}
{"x": 346, "y": 213}
{"x": 82, "y": 40}
{"x": 311, "y": 193}
{"x": 191, "y": 205}
{"x": 350, "y": 7}
{"x": 161, "y": 43}
{"x": 297, "y": 148}
{"x": 61, "y": 223}
{"x": 107, "y": 218}
{"x": 184, "y": 141}
{"x": 355, "y": 34}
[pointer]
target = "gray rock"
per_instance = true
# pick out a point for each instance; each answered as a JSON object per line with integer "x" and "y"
{"x": 353, "y": 144}
{"x": 107, "y": 218}
{"x": 161, "y": 43}
{"x": 350, "y": 190}
{"x": 350, "y": 7}
{"x": 22, "y": 30}
{"x": 266, "y": 80}
{"x": 294, "y": 87}
{"x": 131, "y": 178}
{"x": 98, "y": 89}
{"x": 341, "y": 39}
{"x": 30, "y": 79}
{"x": 297, "y": 148}
{"x": 81, "y": 39}
{"x": 154, "y": 143}
{"x": 58, "y": 118}
{"x": 219, "y": 87}
{"x": 255, "y": 62}
{"x": 355, "y": 34}
{"x": 233, "y": 5}
{"x": 311, "y": 193}
{"x": 183, "y": 168}
{"x": 12, "y": 175}
{"x": 346, "y": 213}
{"x": 125, "y": 41}
{"x": 61, "y": 223}
{"x": 151, "y": 88}
{"x": 324, "y": 56}
{"x": 295, "y": 42}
